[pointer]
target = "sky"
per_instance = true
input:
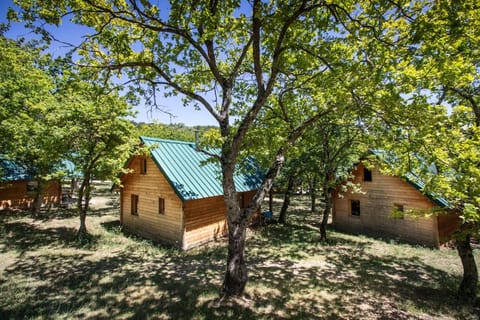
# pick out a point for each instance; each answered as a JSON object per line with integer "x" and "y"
{"x": 175, "y": 111}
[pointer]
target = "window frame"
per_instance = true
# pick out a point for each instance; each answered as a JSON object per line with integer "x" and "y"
{"x": 400, "y": 208}
{"x": 367, "y": 175}
{"x": 134, "y": 200}
{"x": 161, "y": 205}
{"x": 32, "y": 186}
{"x": 352, "y": 213}
{"x": 143, "y": 166}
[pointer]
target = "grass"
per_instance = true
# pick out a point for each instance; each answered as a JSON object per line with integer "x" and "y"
{"x": 46, "y": 273}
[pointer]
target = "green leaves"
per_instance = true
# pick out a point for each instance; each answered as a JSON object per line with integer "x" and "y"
{"x": 28, "y": 130}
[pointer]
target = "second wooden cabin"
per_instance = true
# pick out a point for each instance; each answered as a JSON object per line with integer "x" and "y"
{"x": 18, "y": 188}
{"x": 382, "y": 206}
{"x": 175, "y": 195}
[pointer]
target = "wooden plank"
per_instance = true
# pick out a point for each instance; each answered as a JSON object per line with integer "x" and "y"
{"x": 377, "y": 201}
{"x": 205, "y": 219}
{"x": 13, "y": 194}
{"x": 149, "y": 187}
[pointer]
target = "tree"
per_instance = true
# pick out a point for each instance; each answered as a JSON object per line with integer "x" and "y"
{"x": 30, "y": 135}
{"x": 173, "y": 131}
{"x": 100, "y": 136}
{"x": 438, "y": 75}
{"x": 291, "y": 175}
{"x": 226, "y": 57}
{"x": 332, "y": 147}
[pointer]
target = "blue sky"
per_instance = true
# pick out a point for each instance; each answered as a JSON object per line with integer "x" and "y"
{"x": 72, "y": 33}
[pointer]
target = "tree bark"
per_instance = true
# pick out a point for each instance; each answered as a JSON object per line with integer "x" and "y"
{"x": 313, "y": 194}
{"x": 236, "y": 274}
{"x": 83, "y": 204}
{"x": 38, "y": 198}
{"x": 270, "y": 200}
{"x": 468, "y": 287}
{"x": 286, "y": 199}
{"x": 326, "y": 212}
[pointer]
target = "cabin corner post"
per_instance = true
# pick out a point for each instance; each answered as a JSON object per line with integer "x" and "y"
{"x": 183, "y": 240}
{"x": 436, "y": 234}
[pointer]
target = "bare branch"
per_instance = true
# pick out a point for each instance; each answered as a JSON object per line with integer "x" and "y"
{"x": 256, "y": 25}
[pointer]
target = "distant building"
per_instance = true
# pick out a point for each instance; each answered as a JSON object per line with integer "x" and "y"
{"x": 379, "y": 209}
{"x": 175, "y": 195}
{"x": 17, "y": 188}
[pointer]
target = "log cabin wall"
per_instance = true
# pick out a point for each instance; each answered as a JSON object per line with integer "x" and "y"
{"x": 205, "y": 219}
{"x": 376, "y": 204}
{"x": 14, "y": 194}
{"x": 447, "y": 225}
{"x": 150, "y": 187}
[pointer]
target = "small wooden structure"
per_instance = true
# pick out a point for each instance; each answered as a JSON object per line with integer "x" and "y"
{"x": 378, "y": 209}
{"x": 174, "y": 195}
{"x": 17, "y": 188}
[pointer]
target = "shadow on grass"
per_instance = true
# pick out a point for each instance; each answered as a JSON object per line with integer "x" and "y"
{"x": 122, "y": 286}
{"x": 355, "y": 283}
{"x": 23, "y": 237}
{"x": 292, "y": 276}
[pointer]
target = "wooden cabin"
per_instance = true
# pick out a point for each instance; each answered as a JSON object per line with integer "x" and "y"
{"x": 17, "y": 188}
{"x": 174, "y": 195}
{"x": 381, "y": 209}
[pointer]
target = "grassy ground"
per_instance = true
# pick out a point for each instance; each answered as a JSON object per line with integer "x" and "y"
{"x": 46, "y": 273}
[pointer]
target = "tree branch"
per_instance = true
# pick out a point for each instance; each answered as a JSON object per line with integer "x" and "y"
{"x": 278, "y": 163}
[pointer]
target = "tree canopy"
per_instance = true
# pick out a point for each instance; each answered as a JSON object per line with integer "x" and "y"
{"x": 278, "y": 67}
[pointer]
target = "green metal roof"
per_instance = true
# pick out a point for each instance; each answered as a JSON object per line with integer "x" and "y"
{"x": 412, "y": 178}
{"x": 11, "y": 171}
{"x": 190, "y": 172}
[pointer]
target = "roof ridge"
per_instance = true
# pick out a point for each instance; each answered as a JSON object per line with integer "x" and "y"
{"x": 143, "y": 138}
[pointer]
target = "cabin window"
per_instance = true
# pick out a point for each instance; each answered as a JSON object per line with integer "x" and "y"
{"x": 398, "y": 211}
{"x": 134, "y": 210}
{"x": 32, "y": 186}
{"x": 161, "y": 206}
{"x": 367, "y": 174}
{"x": 355, "y": 207}
{"x": 143, "y": 166}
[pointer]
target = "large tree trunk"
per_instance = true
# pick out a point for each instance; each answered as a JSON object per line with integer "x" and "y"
{"x": 326, "y": 212}
{"x": 236, "y": 274}
{"x": 468, "y": 288}
{"x": 286, "y": 199}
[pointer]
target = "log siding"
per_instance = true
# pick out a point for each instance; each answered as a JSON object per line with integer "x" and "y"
{"x": 150, "y": 187}
{"x": 14, "y": 194}
{"x": 170, "y": 197}
{"x": 377, "y": 201}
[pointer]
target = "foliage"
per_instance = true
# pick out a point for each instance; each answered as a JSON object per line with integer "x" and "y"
{"x": 100, "y": 135}
{"x": 236, "y": 60}
{"x": 179, "y": 131}
{"x": 29, "y": 134}
{"x": 438, "y": 136}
